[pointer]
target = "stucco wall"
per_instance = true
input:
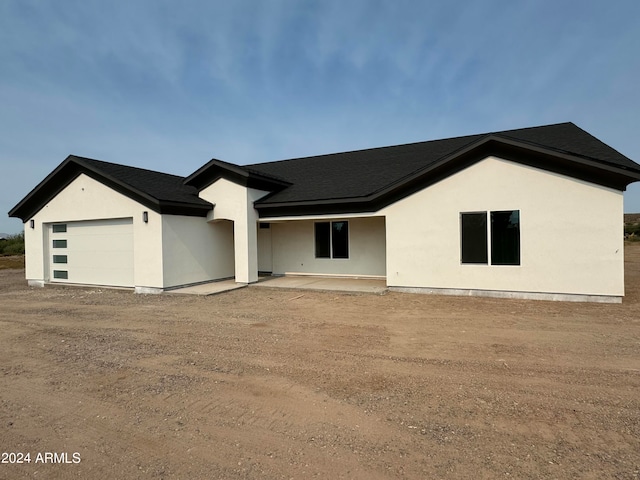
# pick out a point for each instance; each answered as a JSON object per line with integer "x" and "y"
{"x": 265, "y": 261}
{"x": 235, "y": 202}
{"x": 571, "y": 233}
{"x": 293, "y": 248}
{"x": 195, "y": 250}
{"x": 87, "y": 199}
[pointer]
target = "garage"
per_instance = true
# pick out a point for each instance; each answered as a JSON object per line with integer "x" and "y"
{"x": 97, "y": 252}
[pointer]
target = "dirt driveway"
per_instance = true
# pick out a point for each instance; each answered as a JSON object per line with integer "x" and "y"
{"x": 279, "y": 384}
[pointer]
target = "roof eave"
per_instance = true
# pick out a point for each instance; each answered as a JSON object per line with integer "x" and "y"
{"x": 536, "y": 156}
{"x": 70, "y": 169}
{"x": 216, "y": 169}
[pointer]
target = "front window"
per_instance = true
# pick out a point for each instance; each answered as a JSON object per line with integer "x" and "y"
{"x": 332, "y": 239}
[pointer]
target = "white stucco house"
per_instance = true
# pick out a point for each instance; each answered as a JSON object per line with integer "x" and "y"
{"x": 528, "y": 213}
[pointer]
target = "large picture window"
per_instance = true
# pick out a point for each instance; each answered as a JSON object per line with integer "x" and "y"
{"x": 503, "y": 236}
{"x": 332, "y": 239}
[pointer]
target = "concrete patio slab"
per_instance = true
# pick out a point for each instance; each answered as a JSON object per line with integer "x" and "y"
{"x": 210, "y": 288}
{"x": 338, "y": 284}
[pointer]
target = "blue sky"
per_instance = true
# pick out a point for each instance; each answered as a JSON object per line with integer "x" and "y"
{"x": 168, "y": 85}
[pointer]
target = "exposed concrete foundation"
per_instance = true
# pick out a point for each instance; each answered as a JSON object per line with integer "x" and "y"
{"x": 556, "y": 297}
{"x": 148, "y": 290}
{"x": 36, "y": 283}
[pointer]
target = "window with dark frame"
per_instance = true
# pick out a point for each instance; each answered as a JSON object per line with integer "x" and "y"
{"x": 59, "y": 244}
{"x": 505, "y": 237}
{"x": 59, "y": 259}
{"x": 323, "y": 239}
{"x": 473, "y": 228}
{"x": 332, "y": 239}
{"x": 59, "y": 228}
{"x": 340, "y": 239}
{"x": 62, "y": 274}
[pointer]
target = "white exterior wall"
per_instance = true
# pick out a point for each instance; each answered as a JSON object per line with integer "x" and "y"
{"x": 265, "y": 261}
{"x": 168, "y": 251}
{"x": 293, "y": 248}
{"x": 195, "y": 250}
{"x": 87, "y": 199}
{"x": 235, "y": 202}
{"x": 570, "y": 233}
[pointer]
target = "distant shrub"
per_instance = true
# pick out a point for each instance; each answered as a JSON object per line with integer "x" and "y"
{"x": 13, "y": 245}
{"x": 632, "y": 229}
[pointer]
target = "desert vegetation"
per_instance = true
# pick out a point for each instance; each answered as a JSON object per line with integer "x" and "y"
{"x": 12, "y": 252}
{"x": 632, "y": 227}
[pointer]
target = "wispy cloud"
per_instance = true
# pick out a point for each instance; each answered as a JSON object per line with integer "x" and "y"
{"x": 168, "y": 85}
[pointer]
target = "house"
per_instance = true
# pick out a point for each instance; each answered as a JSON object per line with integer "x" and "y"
{"x": 528, "y": 213}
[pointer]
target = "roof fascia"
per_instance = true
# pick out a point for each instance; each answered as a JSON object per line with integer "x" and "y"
{"x": 22, "y": 204}
{"x": 528, "y": 154}
{"x": 217, "y": 169}
{"x": 70, "y": 169}
{"x": 524, "y": 153}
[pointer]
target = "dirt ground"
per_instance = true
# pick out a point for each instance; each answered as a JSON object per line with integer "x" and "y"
{"x": 279, "y": 384}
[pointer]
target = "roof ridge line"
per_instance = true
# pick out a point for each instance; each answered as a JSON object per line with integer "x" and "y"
{"x": 422, "y": 142}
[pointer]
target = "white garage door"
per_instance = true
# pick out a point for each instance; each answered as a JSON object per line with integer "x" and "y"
{"x": 96, "y": 252}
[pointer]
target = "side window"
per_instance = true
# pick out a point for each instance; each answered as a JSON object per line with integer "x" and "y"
{"x": 505, "y": 237}
{"x": 473, "y": 228}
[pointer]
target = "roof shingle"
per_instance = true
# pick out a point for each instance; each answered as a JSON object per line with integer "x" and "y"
{"x": 364, "y": 172}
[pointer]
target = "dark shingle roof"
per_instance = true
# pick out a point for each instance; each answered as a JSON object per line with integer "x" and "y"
{"x": 160, "y": 186}
{"x": 363, "y": 180}
{"x": 158, "y": 191}
{"x": 365, "y": 172}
